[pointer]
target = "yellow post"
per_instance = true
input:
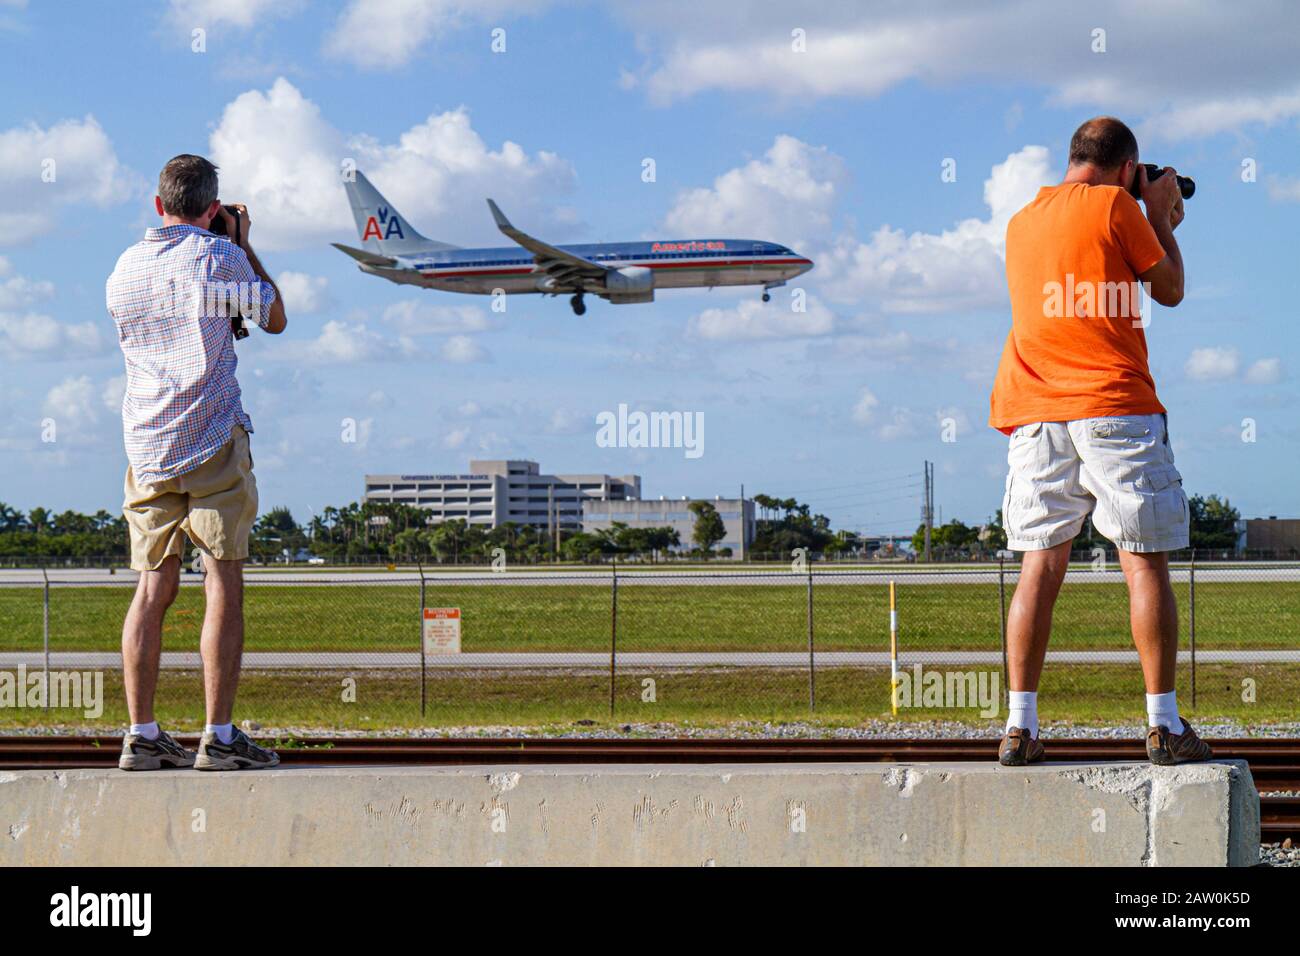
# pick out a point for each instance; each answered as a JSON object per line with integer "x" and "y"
{"x": 893, "y": 651}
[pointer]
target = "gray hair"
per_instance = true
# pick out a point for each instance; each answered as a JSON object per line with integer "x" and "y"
{"x": 187, "y": 186}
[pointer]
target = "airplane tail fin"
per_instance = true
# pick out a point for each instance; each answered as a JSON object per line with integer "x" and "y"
{"x": 382, "y": 228}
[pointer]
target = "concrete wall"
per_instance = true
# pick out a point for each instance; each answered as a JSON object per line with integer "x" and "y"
{"x": 788, "y": 814}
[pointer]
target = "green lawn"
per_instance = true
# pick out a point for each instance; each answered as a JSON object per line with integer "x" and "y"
{"x": 660, "y": 617}
{"x": 845, "y": 696}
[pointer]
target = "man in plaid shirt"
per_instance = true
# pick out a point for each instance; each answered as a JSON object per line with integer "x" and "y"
{"x": 172, "y": 298}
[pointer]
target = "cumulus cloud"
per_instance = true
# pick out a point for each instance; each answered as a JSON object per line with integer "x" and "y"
{"x": 384, "y": 36}
{"x": 281, "y": 156}
{"x": 1244, "y": 76}
{"x": 1266, "y": 371}
{"x": 959, "y": 268}
{"x": 33, "y": 335}
{"x": 1212, "y": 364}
{"x": 241, "y": 14}
{"x": 417, "y": 317}
{"x": 303, "y": 293}
{"x": 753, "y": 319}
{"x": 43, "y": 169}
{"x": 462, "y": 350}
{"x": 864, "y": 410}
{"x": 788, "y": 195}
{"x": 347, "y": 343}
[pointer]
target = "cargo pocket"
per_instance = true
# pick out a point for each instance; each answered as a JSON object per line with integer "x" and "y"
{"x": 1162, "y": 491}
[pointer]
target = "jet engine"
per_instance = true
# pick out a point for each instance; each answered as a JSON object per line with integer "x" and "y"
{"x": 630, "y": 284}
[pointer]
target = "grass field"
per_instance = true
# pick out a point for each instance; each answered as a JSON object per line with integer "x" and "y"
{"x": 576, "y": 617}
{"x": 845, "y": 697}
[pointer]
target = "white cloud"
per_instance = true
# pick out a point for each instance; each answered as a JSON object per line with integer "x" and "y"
{"x": 1266, "y": 371}
{"x": 113, "y": 392}
{"x": 71, "y": 163}
{"x": 34, "y": 335}
{"x": 787, "y": 196}
{"x": 864, "y": 411}
{"x": 901, "y": 424}
{"x": 1283, "y": 189}
{"x": 416, "y": 317}
{"x": 74, "y": 406}
{"x": 1212, "y": 364}
{"x": 303, "y": 293}
{"x": 280, "y": 156}
{"x": 455, "y": 438}
{"x": 962, "y": 267}
{"x": 346, "y": 343}
{"x": 384, "y": 36}
{"x": 462, "y": 349}
{"x": 241, "y": 14}
{"x": 1244, "y": 75}
{"x": 17, "y": 291}
{"x": 754, "y": 319}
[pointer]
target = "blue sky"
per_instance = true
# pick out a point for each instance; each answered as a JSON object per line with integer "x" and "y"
{"x": 836, "y": 150}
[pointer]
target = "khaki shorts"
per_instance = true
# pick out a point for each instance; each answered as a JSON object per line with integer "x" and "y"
{"x": 215, "y": 505}
{"x": 1118, "y": 468}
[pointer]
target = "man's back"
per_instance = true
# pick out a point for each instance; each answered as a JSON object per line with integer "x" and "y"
{"x": 169, "y": 297}
{"x": 1076, "y": 347}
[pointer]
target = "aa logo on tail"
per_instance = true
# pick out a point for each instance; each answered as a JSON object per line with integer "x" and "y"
{"x": 393, "y": 224}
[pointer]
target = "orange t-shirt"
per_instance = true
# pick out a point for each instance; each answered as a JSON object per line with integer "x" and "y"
{"x": 1076, "y": 347}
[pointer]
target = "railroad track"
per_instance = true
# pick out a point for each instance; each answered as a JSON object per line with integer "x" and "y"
{"x": 1274, "y": 762}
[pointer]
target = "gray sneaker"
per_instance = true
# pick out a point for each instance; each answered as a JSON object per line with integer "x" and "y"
{"x": 141, "y": 753}
{"x": 240, "y": 754}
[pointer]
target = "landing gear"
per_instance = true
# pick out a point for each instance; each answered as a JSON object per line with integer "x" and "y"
{"x": 579, "y": 307}
{"x": 767, "y": 296}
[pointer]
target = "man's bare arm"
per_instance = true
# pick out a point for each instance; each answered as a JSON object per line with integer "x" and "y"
{"x": 277, "y": 320}
{"x": 1164, "y": 211}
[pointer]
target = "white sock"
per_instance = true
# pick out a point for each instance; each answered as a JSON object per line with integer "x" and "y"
{"x": 1023, "y": 710}
{"x": 225, "y": 732}
{"x": 148, "y": 731}
{"x": 1162, "y": 710}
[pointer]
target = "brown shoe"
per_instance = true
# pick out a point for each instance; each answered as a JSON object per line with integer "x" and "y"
{"x": 1019, "y": 748}
{"x": 1166, "y": 749}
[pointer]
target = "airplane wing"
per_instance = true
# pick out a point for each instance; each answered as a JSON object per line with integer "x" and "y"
{"x": 563, "y": 267}
{"x": 368, "y": 258}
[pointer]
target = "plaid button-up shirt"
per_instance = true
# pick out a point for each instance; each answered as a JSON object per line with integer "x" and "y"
{"x": 171, "y": 297}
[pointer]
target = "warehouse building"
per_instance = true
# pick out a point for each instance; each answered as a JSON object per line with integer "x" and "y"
{"x": 495, "y": 492}
{"x": 737, "y": 516}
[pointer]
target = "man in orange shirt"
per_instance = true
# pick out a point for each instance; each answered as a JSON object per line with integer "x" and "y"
{"x": 1088, "y": 435}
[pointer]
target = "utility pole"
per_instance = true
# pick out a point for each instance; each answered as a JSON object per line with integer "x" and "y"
{"x": 927, "y": 507}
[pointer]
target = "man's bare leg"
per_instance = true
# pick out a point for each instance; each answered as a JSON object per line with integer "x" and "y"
{"x": 1153, "y": 616}
{"x": 222, "y": 644}
{"x": 142, "y": 637}
{"x": 1029, "y": 620}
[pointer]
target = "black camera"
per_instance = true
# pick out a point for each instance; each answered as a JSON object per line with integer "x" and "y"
{"x": 1185, "y": 184}
{"x": 218, "y": 225}
{"x": 218, "y": 228}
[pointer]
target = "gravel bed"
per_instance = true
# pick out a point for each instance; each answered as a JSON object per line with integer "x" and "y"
{"x": 867, "y": 730}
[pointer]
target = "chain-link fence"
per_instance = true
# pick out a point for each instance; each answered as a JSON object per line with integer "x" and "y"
{"x": 368, "y": 649}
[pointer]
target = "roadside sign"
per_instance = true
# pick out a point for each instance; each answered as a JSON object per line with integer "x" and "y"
{"x": 442, "y": 630}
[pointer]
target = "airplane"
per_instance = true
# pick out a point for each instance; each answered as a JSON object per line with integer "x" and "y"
{"x": 619, "y": 272}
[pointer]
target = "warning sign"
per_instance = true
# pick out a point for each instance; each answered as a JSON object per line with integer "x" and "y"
{"x": 442, "y": 630}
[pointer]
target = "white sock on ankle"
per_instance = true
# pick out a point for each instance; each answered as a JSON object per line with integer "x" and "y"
{"x": 225, "y": 732}
{"x": 148, "y": 731}
{"x": 1023, "y": 710}
{"x": 1162, "y": 710}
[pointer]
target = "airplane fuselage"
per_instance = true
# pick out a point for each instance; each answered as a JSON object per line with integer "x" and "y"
{"x": 674, "y": 264}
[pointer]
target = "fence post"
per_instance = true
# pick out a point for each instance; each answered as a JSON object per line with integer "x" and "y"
{"x": 46, "y": 632}
{"x": 893, "y": 650}
{"x": 613, "y": 629}
{"x": 812, "y": 671}
{"x": 1191, "y": 620}
{"x": 419, "y": 566}
{"x": 1002, "y": 625}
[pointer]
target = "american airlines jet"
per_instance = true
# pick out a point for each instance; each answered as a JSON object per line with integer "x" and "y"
{"x": 619, "y": 272}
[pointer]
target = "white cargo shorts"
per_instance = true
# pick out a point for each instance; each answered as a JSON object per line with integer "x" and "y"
{"x": 1120, "y": 468}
